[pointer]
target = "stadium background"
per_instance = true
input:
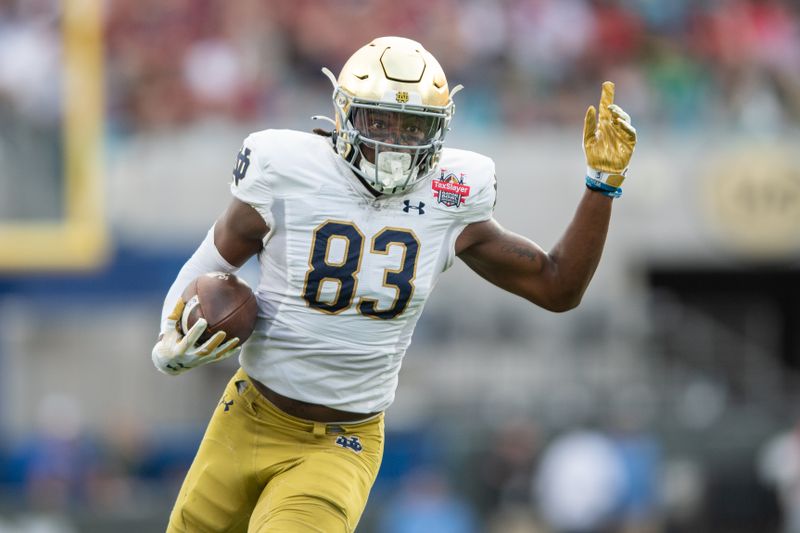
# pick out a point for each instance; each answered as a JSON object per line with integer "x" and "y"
{"x": 669, "y": 397}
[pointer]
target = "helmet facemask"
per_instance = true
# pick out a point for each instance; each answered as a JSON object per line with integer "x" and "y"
{"x": 392, "y": 145}
{"x": 386, "y": 131}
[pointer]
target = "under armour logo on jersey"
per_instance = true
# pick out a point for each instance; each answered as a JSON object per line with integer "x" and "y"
{"x": 226, "y": 404}
{"x": 240, "y": 167}
{"x": 409, "y": 207}
{"x": 353, "y": 443}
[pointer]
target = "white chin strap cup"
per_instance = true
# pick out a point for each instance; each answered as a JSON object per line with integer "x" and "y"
{"x": 392, "y": 169}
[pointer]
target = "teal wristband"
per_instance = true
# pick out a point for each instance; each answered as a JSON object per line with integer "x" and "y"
{"x": 603, "y": 188}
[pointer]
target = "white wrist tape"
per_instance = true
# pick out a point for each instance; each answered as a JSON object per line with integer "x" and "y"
{"x": 205, "y": 259}
{"x": 612, "y": 179}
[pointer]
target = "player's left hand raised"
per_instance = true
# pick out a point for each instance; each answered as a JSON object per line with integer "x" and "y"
{"x": 608, "y": 142}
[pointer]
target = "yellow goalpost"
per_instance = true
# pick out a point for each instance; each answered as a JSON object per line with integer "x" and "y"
{"x": 80, "y": 239}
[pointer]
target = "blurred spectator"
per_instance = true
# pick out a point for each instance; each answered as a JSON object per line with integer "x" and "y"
{"x": 126, "y": 448}
{"x": 778, "y": 466}
{"x": 515, "y": 520}
{"x": 639, "y": 509}
{"x": 683, "y": 488}
{"x": 60, "y": 459}
{"x": 580, "y": 482}
{"x": 503, "y": 467}
{"x": 29, "y": 111}
{"x": 30, "y": 60}
{"x": 426, "y": 503}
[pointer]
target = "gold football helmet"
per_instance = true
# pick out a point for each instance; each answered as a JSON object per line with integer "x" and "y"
{"x": 393, "y": 109}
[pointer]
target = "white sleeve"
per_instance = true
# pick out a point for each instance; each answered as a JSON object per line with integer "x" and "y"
{"x": 205, "y": 259}
{"x": 251, "y": 180}
{"x": 480, "y": 206}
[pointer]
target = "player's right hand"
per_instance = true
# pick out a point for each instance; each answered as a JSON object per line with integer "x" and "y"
{"x": 175, "y": 353}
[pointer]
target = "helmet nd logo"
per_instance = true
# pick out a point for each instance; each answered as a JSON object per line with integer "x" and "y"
{"x": 401, "y": 97}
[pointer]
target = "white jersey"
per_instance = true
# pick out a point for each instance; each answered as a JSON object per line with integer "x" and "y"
{"x": 345, "y": 275}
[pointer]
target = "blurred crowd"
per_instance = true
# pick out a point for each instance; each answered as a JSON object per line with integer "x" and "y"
{"x": 512, "y": 478}
{"x": 729, "y": 63}
{"x": 524, "y": 62}
{"x": 611, "y": 476}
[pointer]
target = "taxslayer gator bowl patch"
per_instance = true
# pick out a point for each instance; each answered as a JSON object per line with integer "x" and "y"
{"x": 450, "y": 189}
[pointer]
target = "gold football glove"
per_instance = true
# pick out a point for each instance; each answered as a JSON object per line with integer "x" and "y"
{"x": 608, "y": 142}
{"x": 175, "y": 353}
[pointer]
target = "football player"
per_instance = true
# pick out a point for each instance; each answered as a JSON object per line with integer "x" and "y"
{"x": 352, "y": 230}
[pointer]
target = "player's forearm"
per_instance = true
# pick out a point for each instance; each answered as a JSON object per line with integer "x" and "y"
{"x": 205, "y": 259}
{"x": 574, "y": 259}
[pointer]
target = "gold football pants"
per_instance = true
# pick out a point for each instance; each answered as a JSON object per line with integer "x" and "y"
{"x": 259, "y": 469}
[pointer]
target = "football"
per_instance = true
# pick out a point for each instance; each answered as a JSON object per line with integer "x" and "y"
{"x": 225, "y": 301}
